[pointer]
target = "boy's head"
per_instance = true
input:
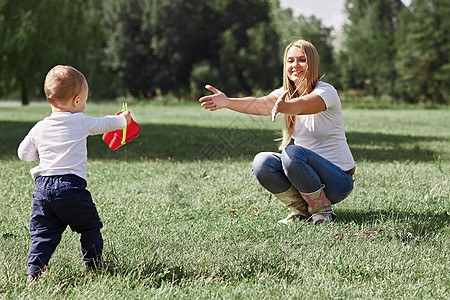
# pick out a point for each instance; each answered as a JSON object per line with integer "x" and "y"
{"x": 65, "y": 87}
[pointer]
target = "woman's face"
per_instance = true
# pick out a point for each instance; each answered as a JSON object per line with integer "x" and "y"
{"x": 296, "y": 64}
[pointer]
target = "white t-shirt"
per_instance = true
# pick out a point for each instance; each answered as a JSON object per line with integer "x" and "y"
{"x": 59, "y": 142}
{"x": 324, "y": 132}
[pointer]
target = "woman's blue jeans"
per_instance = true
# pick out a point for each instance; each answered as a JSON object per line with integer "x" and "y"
{"x": 302, "y": 168}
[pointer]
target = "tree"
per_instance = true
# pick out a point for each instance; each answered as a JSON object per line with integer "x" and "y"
{"x": 36, "y": 35}
{"x": 310, "y": 28}
{"x": 423, "y": 47}
{"x": 369, "y": 52}
{"x": 151, "y": 45}
{"x": 155, "y": 44}
{"x": 248, "y": 47}
{"x": 180, "y": 30}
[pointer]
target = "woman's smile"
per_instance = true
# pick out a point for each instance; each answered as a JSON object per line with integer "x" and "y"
{"x": 296, "y": 64}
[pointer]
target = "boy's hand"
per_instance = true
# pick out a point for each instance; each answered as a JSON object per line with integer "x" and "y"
{"x": 279, "y": 105}
{"x": 127, "y": 116}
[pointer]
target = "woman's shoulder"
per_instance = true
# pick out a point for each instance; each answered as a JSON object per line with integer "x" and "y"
{"x": 324, "y": 85}
{"x": 277, "y": 92}
{"x": 328, "y": 93}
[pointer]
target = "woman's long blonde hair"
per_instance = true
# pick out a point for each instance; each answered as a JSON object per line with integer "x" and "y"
{"x": 304, "y": 87}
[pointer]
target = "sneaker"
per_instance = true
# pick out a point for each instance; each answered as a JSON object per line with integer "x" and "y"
{"x": 321, "y": 217}
{"x": 295, "y": 214}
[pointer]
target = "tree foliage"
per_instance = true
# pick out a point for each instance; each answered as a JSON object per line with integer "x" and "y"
{"x": 36, "y": 35}
{"x": 147, "y": 47}
{"x": 157, "y": 44}
{"x": 369, "y": 54}
{"x": 291, "y": 28}
{"x": 423, "y": 45}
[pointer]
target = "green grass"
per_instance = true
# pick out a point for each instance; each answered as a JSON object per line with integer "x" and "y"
{"x": 184, "y": 217}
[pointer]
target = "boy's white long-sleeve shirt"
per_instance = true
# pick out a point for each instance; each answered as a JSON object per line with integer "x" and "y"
{"x": 59, "y": 142}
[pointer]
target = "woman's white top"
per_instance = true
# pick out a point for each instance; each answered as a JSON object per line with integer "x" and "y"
{"x": 324, "y": 132}
{"x": 59, "y": 142}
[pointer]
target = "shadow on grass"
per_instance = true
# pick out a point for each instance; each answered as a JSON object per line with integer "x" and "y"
{"x": 417, "y": 225}
{"x": 410, "y": 228}
{"x": 155, "y": 271}
{"x": 190, "y": 143}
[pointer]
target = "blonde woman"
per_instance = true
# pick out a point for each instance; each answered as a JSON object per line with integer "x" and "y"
{"x": 317, "y": 171}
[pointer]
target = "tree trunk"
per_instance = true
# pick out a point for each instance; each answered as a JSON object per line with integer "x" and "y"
{"x": 24, "y": 92}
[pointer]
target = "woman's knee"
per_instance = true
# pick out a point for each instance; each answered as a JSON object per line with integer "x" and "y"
{"x": 292, "y": 154}
{"x": 263, "y": 163}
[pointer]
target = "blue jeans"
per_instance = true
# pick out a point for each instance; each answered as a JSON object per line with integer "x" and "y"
{"x": 302, "y": 168}
{"x": 59, "y": 201}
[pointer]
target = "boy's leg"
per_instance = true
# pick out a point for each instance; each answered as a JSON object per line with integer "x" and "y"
{"x": 91, "y": 248}
{"x": 45, "y": 231}
{"x": 82, "y": 216}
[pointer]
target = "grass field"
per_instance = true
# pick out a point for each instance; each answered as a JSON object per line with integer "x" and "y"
{"x": 184, "y": 217}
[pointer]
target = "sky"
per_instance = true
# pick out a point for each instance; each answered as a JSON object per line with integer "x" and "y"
{"x": 331, "y": 12}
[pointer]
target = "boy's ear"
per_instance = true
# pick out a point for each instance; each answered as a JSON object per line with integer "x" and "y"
{"x": 76, "y": 100}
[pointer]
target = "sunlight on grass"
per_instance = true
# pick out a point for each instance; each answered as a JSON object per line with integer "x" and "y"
{"x": 184, "y": 217}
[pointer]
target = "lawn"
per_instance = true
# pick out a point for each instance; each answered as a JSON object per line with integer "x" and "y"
{"x": 184, "y": 218}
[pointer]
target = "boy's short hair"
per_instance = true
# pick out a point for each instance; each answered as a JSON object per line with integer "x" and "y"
{"x": 62, "y": 83}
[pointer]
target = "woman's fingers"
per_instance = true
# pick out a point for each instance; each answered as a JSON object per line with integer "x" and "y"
{"x": 205, "y": 98}
{"x": 274, "y": 112}
{"x": 275, "y": 109}
{"x": 278, "y": 104}
{"x": 209, "y": 97}
{"x": 274, "y": 115}
{"x": 212, "y": 102}
{"x": 207, "y": 104}
{"x": 212, "y": 89}
{"x": 284, "y": 94}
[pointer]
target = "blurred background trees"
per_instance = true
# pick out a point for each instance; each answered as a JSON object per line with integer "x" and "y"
{"x": 145, "y": 48}
{"x": 36, "y": 35}
{"x": 369, "y": 36}
{"x": 422, "y": 42}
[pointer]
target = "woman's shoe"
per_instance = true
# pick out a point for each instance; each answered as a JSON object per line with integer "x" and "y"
{"x": 294, "y": 201}
{"x": 295, "y": 214}
{"x": 319, "y": 206}
{"x": 321, "y": 217}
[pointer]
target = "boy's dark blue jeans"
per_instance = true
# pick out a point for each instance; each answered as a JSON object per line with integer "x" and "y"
{"x": 59, "y": 201}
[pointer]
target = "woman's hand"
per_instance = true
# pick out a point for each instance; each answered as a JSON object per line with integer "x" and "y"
{"x": 214, "y": 102}
{"x": 279, "y": 105}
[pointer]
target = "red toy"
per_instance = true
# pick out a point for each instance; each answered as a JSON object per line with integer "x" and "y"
{"x": 120, "y": 137}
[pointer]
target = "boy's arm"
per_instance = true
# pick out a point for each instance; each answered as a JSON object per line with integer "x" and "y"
{"x": 27, "y": 150}
{"x": 105, "y": 124}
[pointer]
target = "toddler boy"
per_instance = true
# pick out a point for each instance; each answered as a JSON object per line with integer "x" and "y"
{"x": 60, "y": 197}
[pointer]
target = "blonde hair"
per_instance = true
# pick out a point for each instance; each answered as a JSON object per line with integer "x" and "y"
{"x": 304, "y": 87}
{"x": 62, "y": 83}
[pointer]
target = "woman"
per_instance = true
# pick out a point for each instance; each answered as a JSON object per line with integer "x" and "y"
{"x": 316, "y": 172}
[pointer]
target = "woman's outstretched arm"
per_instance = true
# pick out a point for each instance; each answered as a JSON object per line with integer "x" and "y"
{"x": 305, "y": 105}
{"x": 247, "y": 105}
